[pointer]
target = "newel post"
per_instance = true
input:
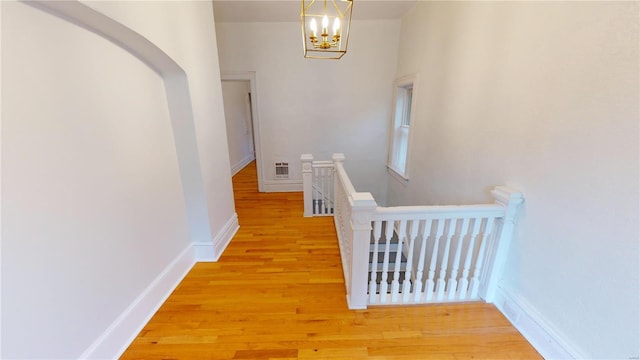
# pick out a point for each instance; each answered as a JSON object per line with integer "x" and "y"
{"x": 307, "y": 183}
{"x": 363, "y": 208}
{"x": 337, "y": 158}
{"x": 511, "y": 200}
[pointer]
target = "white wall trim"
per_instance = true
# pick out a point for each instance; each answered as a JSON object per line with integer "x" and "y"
{"x": 119, "y": 335}
{"x": 283, "y": 186}
{"x": 397, "y": 176}
{"x": 225, "y": 236}
{"x": 540, "y": 332}
{"x": 235, "y": 168}
{"x": 211, "y": 251}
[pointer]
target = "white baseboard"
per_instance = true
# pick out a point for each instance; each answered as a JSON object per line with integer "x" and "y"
{"x": 225, "y": 236}
{"x": 542, "y": 335}
{"x": 363, "y": 307}
{"x": 241, "y": 164}
{"x": 282, "y": 186}
{"x": 211, "y": 251}
{"x": 119, "y": 335}
{"x": 204, "y": 251}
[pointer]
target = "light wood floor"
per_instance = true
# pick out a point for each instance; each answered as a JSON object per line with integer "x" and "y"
{"x": 278, "y": 293}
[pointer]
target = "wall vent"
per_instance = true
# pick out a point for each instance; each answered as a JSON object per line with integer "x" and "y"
{"x": 282, "y": 170}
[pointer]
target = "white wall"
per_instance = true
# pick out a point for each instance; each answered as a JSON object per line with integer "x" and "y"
{"x": 318, "y": 106}
{"x": 92, "y": 202}
{"x": 185, "y": 30}
{"x": 237, "y": 115}
{"x": 94, "y": 221}
{"x": 543, "y": 97}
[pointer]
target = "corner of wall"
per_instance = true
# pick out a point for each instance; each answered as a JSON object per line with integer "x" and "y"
{"x": 211, "y": 251}
{"x": 542, "y": 335}
{"x": 235, "y": 168}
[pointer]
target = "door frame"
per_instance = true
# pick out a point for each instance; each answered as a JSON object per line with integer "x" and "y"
{"x": 255, "y": 118}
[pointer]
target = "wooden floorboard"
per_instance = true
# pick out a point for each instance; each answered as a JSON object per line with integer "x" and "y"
{"x": 278, "y": 293}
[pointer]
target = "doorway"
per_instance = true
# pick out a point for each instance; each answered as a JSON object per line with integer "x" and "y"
{"x": 242, "y": 122}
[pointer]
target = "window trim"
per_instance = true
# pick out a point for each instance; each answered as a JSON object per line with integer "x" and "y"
{"x": 402, "y": 83}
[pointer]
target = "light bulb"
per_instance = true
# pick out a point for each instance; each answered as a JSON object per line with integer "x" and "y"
{"x": 336, "y": 26}
{"x": 314, "y": 27}
{"x": 325, "y": 24}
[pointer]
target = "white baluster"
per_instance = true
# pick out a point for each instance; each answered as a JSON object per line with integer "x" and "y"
{"x": 316, "y": 203}
{"x": 330, "y": 191}
{"x": 307, "y": 183}
{"x": 475, "y": 280}
{"x": 444, "y": 263}
{"x": 452, "y": 284}
{"x": 395, "y": 284}
{"x": 325, "y": 195}
{"x": 333, "y": 187}
{"x": 421, "y": 261}
{"x": 406, "y": 285}
{"x": 338, "y": 203}
{"x": 384, "y": 285}
{"x": 464, "y": 279}
{"x": 318, "y": 187}
{"x": 434, "y": 258}
{"x": 338, "y": 159}
{"x": 321, "y": 189}
{"x": 330, "y": 194}
{"x": 339, "y": 216}
{"x": 373, "y": 266}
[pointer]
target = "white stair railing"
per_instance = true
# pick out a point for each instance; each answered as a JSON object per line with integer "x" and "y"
{"x": 419, "y": 254}
{"x": 318, "y": 186}
{"x": 444, "y": 247}
{"x": 352, "y": 219}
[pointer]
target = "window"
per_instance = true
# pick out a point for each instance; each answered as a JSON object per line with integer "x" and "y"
{"x": 404, "y": 91}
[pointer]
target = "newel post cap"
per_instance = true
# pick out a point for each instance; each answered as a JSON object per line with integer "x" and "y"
{"x": 363, "y": 206}
{"x": 363, "y": 200}
{"x": 338, "y": 157}
{"x": 510, "y": 198}
{"x": 307, "y": 159}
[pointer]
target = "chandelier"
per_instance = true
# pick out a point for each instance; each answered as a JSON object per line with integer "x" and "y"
{"x": 324, "y": 42}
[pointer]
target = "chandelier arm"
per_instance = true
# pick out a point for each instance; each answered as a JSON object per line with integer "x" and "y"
{"x": 338, "y": 9}
{"x": 308, "y": 6}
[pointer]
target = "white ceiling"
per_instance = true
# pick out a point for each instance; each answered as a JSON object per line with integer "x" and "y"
{"x": 289, "y": 10}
